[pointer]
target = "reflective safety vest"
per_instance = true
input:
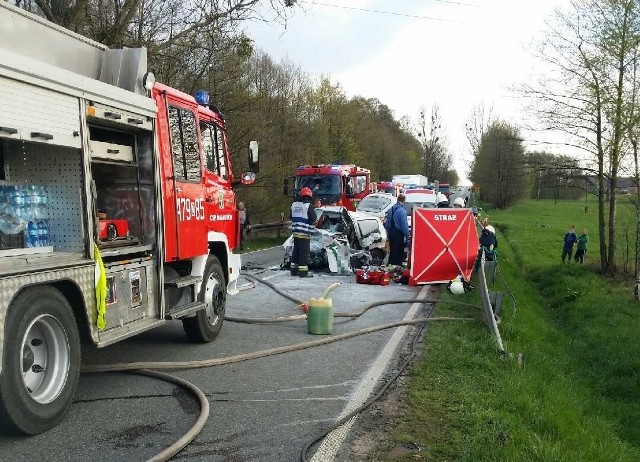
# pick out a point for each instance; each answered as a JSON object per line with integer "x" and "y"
{"x": 300, "y": 225}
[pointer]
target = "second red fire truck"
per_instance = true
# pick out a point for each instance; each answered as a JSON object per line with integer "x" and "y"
{"x": 334, "y": 184}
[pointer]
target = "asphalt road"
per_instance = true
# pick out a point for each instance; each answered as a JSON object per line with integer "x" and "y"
{"x": 261, "y": 410}
{"x": 466, "y": 192}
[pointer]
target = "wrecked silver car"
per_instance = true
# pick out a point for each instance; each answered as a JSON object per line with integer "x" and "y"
{"x": 340, "y": 234}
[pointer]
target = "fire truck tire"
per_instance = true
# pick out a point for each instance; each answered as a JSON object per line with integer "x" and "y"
{"x": 206, "y": 324}
{"x": 41, "y": 362}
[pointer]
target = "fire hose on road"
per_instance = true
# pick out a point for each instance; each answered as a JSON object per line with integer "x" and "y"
{"x": 151, "y": 368}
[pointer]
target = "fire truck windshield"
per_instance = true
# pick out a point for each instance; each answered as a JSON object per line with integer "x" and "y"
{"x": 324, "y": 187}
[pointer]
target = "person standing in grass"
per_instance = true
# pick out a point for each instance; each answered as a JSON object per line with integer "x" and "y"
{"x": 569, "y": 241}
{"x": 582, "y": 242}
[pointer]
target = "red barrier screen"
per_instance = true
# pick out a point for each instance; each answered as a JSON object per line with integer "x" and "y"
{"x": 444, "y": 244}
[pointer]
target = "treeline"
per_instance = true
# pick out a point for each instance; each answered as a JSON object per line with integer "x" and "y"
{"x": 507, "y": 173}
{"x": 301, "y": 121}
{"x": 296, "y": 118}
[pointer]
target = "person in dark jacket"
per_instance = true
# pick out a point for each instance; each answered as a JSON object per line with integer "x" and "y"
{"x": 488, "y": 245}
{"x": 303, "y": 217}
{"x": 570, "y": 239}
{"x": 397, "y": 231}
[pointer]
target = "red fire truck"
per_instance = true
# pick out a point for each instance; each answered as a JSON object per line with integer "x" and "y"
{"x": 117, "y": 211}
{"x": 334, "y": 184}
{"x": 388, "y": 187}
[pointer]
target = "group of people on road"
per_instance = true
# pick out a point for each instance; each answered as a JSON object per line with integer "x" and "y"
{"x": 303, "y": 218}
{"x": 571, "y": 240}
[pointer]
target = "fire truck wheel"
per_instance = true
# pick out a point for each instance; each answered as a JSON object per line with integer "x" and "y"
{"x": 206, "y": 324}
{"x": 41, "y": 362}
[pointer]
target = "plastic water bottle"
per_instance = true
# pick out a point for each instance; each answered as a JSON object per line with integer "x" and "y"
{"x": 43, "y": 233}
{"x": 17, "y": 201}
{"x": 44, "y": 212}
{"x": 41, "y": 216}
{"x": 26, "y": 202}
{"x": 31, "y": 237}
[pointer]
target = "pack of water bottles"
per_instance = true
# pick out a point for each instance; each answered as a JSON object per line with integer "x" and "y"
{"x": 23, "y": 216}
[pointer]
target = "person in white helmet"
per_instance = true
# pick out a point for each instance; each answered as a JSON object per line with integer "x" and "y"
{"x": 488, "y": 245}
{"x": 442, "y": 201}
{"x": 458, "y": 203}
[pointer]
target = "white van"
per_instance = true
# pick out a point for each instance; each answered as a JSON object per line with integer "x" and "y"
{"x": 411, "y": 181}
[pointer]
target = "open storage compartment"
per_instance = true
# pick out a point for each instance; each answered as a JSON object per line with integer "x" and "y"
{"x": 122, "y": 172}
{"x": 41, "y": 201}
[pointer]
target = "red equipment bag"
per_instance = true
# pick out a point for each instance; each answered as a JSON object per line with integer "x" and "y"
{"x": 373, "y": 276}
{"x": 113, "y": 229}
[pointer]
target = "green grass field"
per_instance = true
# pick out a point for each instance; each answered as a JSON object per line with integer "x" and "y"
{"x": 576, "y": 395}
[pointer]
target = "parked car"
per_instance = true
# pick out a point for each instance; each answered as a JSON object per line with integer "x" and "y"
{"x": 376, "y": 204}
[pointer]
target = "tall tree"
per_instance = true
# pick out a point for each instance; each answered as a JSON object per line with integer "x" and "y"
{"x": 477, "y": 124}
{"x": 436, "y": 158}
{"x": 592, "y": 49}
{"x": 499, "y": 166}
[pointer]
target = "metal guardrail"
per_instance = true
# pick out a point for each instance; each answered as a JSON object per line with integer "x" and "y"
{"x": 270, "y": 227}
{"x": 486, "y": 301}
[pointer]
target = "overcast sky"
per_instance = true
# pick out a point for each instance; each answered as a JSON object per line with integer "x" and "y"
{"x": 414, "y": 53}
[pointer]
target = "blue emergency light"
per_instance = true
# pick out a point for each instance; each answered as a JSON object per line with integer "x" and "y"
{"x": 202, "y": 97}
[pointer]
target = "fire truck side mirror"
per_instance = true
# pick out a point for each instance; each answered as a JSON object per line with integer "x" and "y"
{"x": 248, "y": 178}
{"x": 254, "y": 165}
{"x": 285, "y": 186}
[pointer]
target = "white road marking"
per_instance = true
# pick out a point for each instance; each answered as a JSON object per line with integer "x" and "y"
{"x": 260, "y": 250}
{"x": 332, "y": 442}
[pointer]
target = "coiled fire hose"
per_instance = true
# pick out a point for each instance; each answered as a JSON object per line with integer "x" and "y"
{"x": 143, "y": 367}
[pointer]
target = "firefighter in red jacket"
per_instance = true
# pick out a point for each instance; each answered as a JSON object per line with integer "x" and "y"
{"x": 303, "y": 216}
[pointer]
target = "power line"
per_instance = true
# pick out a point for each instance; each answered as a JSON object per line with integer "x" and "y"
{"x": 392, "y": 13}
{"x": 450, "y": 2}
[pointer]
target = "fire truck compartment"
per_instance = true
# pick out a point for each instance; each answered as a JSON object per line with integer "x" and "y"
{"x": 130, "y": 289}
{"x": 59, "y": 171}
{"x": 21, "y": 114}
{"x": 124, "y": 185}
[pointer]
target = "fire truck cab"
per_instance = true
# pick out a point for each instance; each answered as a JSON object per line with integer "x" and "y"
{"x": 117, "y": 211}
{"x": 335, "y": 184}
